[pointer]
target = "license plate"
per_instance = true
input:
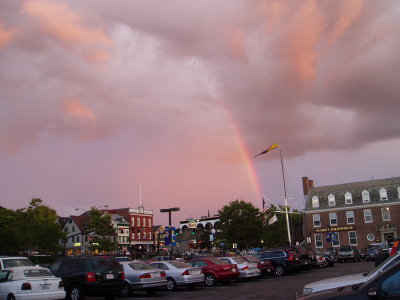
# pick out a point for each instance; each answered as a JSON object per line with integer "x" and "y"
{"x": 155, "y": 275}
{"x": 109, "y": 276}
{"x": 195, "y": 272}
{"x": 233, "y": 270}
{"x": 45, "y": 287}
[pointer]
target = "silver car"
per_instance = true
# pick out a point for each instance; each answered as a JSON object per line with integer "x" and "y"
{"x": 246, "y": 268}
{"x": 141, "y": 276}
{"x": 180, "y": 274}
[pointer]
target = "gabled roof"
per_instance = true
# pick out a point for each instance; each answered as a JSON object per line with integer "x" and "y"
{"x": 81, "y": 221}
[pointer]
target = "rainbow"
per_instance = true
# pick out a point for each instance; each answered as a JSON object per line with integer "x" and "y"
{"x": 245, "y": 155}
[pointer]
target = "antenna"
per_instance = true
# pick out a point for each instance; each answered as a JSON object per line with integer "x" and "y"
{"x": 140, "y": 194}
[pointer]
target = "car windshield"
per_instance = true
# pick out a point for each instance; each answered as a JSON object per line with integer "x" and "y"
{"x": 37, "y": 273}
{"x": 140, "y": 266}
{"x": 392, "y": 262}
{"x": 217, "y": 261}
{"x": 102, "y": 264}
{"x": 17, "y": 262}
{"x": 180, "y": 265}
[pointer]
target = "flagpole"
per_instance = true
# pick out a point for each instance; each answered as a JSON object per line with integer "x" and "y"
{"x": 286, "y": 199}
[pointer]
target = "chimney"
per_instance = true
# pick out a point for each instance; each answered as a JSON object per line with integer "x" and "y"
{"x": 307, "y": 185}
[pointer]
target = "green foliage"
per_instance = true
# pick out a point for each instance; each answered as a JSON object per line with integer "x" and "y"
{"x": 35, "y": 228}
{"x": 242, "y": 223}
{"x": 100, "y": 226}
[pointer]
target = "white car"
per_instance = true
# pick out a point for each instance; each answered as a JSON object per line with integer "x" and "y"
{"x": 14, "y": 261}
{"x": 246, "y": 269}
{"x": 341, "y": 281}
{"x": 30, "y": 283}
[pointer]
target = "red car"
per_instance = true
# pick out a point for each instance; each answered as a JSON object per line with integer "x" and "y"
{"x": 215, "y": 270}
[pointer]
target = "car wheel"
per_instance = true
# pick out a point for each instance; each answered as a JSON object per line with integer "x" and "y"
{"x": 279, "y": 270}
{"x": 210, "y": 280}
{"x": 171, "y": 284}
{"x": 76, "y": 293}
{"x": 126, "y": 290}
{"x": 11, "y": 297}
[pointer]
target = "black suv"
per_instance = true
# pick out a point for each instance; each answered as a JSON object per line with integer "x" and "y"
{"x": 89, "y": 275}
{"x": 347, "y": 253}
{"x": 283, "y": 260}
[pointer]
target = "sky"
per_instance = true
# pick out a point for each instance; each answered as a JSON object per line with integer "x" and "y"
{"x": 166, "y": 103}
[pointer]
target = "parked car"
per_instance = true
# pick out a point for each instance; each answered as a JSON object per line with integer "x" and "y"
{"x": 347, "y": 253}
{"x": 385, "y": 285}
{"x": 33, "y": 283}
{"x": 330, "y": 257}
{"x": 159, "y": 258}
{"x": 265, "y": 266}
{"x": 340, "y": 281}
{"x": 320, "y": 260}
{"x": 376, "y": 251}
{"x": 305, "y": 257}
{"x": 14, "y": 261}
{"x": 142, "y": 276}
{"x": 215, "y": 270}
{"x": 283, "y": 261}
{"x": 89, "y": 276}
{"x": 246, "y": 269}
{"x": 179, "y": 273}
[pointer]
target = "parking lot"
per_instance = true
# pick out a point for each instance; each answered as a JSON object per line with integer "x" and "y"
{"x": 271, "y": 288}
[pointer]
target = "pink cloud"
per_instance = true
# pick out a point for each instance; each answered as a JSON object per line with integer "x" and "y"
{"x": 5, "y": 36}
{"x": 75, "y": 108}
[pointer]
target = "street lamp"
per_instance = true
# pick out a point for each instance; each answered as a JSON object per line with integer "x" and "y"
{"x": 169, "y": 210}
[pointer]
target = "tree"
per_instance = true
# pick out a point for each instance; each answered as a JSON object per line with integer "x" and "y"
{"x": 275, "y": 235}
{"x": 10, "y": 237}
{"x": 241, "y": 223}
{"x": 101, "y": 229}
{"x": 40, "y": 225}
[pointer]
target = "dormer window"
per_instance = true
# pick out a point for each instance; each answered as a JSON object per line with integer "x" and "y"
{"x": 315, "y": 202}
{"x": 331, "y": 200}
{"x": 365, "y": 196}
{"x": 348, "y": 199}
{"x": 383, "y": 194}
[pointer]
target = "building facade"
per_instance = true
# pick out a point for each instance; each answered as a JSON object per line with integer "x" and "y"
{"x": 141, "y": 223}
{"x": 355, "y": 214}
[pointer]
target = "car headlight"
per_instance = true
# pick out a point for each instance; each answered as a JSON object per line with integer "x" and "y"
{"x": 307, "y": 291}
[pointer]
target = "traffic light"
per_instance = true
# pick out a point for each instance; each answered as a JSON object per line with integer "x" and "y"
{"x": 193, "y": 232}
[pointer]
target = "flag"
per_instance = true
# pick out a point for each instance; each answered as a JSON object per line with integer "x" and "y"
{"x": 265, "y": 206}
{"x": 273, "y": 220}
{"x": 269, "y": 149}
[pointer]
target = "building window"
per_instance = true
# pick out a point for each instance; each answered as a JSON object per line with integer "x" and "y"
{"x": 318, "y": 240}
{"x": 133, "y": 221}
{"x": 138, "y": 235}
{"x": 73, "y": 239}
{"x": 383, "y": 194}
{"x": 367, "y": 216}
{"x": 315, "y": 202}
{"x": 77, "y": 238}
{"x": 149, "y": 235}
{"x": 333, "y": 219}
{"x": 335, "y": 239}
{"x": 350, "y": 217}
{"x": 149, "y": 219}
{"x": 86, "y": 238}
{"x": 385, "y": 213}
{"x": 317, "y": 220}
{"x": 370, "y": 237}
{"x": 348, "y": 199}
{"x": 73, "y": 228}
{"x": 365, "y": 196}
{"x": 144, "y": 222}
{"x": 331, "y": 200}
{"x": 138, "y": 221}
{"x": 352, "y": 238}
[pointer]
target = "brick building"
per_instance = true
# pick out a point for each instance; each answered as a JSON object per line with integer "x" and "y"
{"x": 354, "y": 214}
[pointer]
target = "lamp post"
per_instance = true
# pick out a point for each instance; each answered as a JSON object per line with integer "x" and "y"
{"x": 169, "y": 210}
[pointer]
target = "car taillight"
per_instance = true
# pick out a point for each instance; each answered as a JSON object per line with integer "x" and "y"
{"x": 61, "y": 284}
{"x": 186, "y": 272}
{"x": 163, "y": 274}
{"x": 90, "y": 277}
{"x": 123, "y": 275}
{"x": 26, "y": 286}
{"x": 245, "y": 268}
{"x": 320, "y": 258}
{"x": 290, "y": 258}
{"x": 145, "y": 275}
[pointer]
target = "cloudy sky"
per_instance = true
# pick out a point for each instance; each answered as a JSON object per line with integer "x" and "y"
{"x": 167, "y": 102}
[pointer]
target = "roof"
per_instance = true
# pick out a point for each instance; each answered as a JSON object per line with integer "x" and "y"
{"x": 356, "y": 189}
{"x": 81, "y": 221}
